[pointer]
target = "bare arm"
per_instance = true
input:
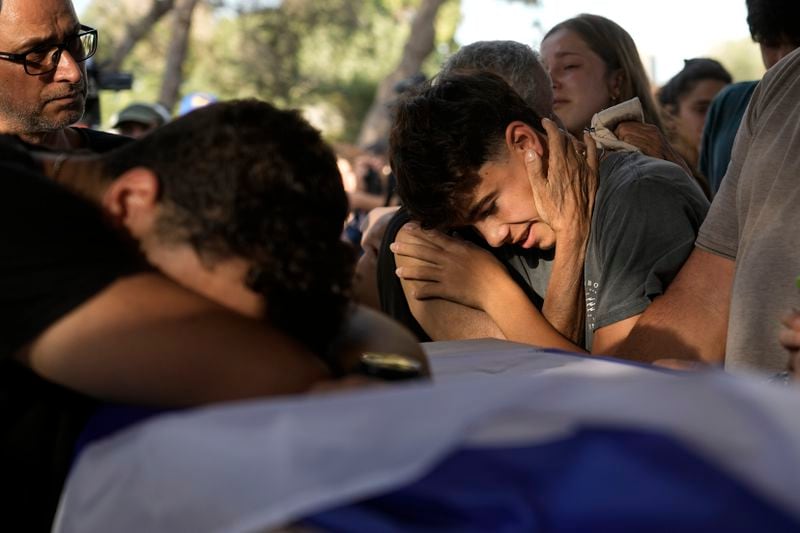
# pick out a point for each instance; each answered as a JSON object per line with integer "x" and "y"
{"x": 607, "y": 339}
{"x": 146, "y": 340}
{"x": 790, "y": 339}
{"x": 690, "y": 321}
{"x": 519, "y": 319}
{"x": 482, "y": 284}
{"x": 444, "y": 319}
{"x": 365, "y": 279}
{"x": 434, "y": 267}
{"x": 364, "y": 200}
{"x": 565, "y": 305}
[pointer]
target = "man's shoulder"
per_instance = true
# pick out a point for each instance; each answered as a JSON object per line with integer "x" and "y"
{"x": 784, "y": 72}
{"x": 398, "y": 220}
{"x": 100, "y": 141}
{"x": 633, "y": 182}
{"x": 735, "y": 94}
{"x": 776, "y": 96}
{"x": 621, "y": 170}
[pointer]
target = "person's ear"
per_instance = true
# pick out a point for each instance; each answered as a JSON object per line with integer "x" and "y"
{"x": 616, "y": 80}
{"x": 132, "y": 199}
{"x": 520, "y": 138}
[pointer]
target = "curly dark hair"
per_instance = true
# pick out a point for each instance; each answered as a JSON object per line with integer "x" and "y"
{"x": 245, "y": 179}
{"x": 694, "y": 70}
{"x": 443, "y": 134}
{"x": 774, "y": 22}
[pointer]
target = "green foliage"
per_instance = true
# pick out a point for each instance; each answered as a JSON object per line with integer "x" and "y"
{"x": 446, "y": 25}
{"x": 146, "y": 61}
{"x": 327, "y": 55}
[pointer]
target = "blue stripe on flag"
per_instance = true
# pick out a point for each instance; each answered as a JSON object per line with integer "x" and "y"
{"x": 596, "y": 480}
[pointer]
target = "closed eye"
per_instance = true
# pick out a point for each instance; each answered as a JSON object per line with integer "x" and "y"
{"x": 490, "y": 210}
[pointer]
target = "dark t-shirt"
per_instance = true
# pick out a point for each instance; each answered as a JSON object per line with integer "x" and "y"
{"x": 646, "y": 217}
{"x": 530, "y": 269}
{"x": 100, "y": 142}
{"x": 722, "y": 123}
{"x": 94, "y": 141}
{"x": 58, "y": 251}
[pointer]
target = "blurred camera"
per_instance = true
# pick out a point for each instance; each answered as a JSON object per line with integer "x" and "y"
{"x": 101, "y": 80}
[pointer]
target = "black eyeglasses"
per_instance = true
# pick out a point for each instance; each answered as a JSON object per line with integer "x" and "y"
{"x": 44, "y": 58}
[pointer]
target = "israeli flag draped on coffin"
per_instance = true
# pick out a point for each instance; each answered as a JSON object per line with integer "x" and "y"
{"x": 507, "y": 438}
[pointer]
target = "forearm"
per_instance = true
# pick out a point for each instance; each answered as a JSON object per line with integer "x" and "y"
{"x": 444, "y": 320}
{"x": 565, "y": 305}
{"x": 690, "y": 321}
{"x": 663, "y": 332}
{"x": 489, "y": 304}
{"x": 365, "y": 200}
{"x": 520, "y": 321}
{"x": 365, "y": 281}
{"x": 147, "y": 340}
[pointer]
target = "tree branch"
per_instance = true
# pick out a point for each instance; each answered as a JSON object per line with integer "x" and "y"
{"x": 136, "y": 31}
{"x": 418, "y": 46}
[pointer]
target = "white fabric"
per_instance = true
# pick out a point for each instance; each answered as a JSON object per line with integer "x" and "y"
{"x": 604, "y": 123}
{"x": 250, "y": 466}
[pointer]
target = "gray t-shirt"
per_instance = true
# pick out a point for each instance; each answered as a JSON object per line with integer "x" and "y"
{"x": 755, "y": 220}
{"x": 533, "y": 267}
{"x": 646, "y": 217}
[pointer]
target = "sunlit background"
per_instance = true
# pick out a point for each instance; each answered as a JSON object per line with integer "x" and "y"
{"x": 336, "y": 71}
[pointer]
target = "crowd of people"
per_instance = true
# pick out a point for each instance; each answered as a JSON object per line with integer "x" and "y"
{"x": 586, "y": 236}
{"x": 552, "y": 198}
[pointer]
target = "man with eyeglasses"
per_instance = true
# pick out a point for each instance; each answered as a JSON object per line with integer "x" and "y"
{"x": 43, "y": 81}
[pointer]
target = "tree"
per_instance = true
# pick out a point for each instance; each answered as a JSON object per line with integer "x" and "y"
{"x": 136, "y": 31}
{"x": 417, "y": 48}
{"x": 419, "y": 45}
{"x": 176, "y": 53}
{"x": 326, "y": 56}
